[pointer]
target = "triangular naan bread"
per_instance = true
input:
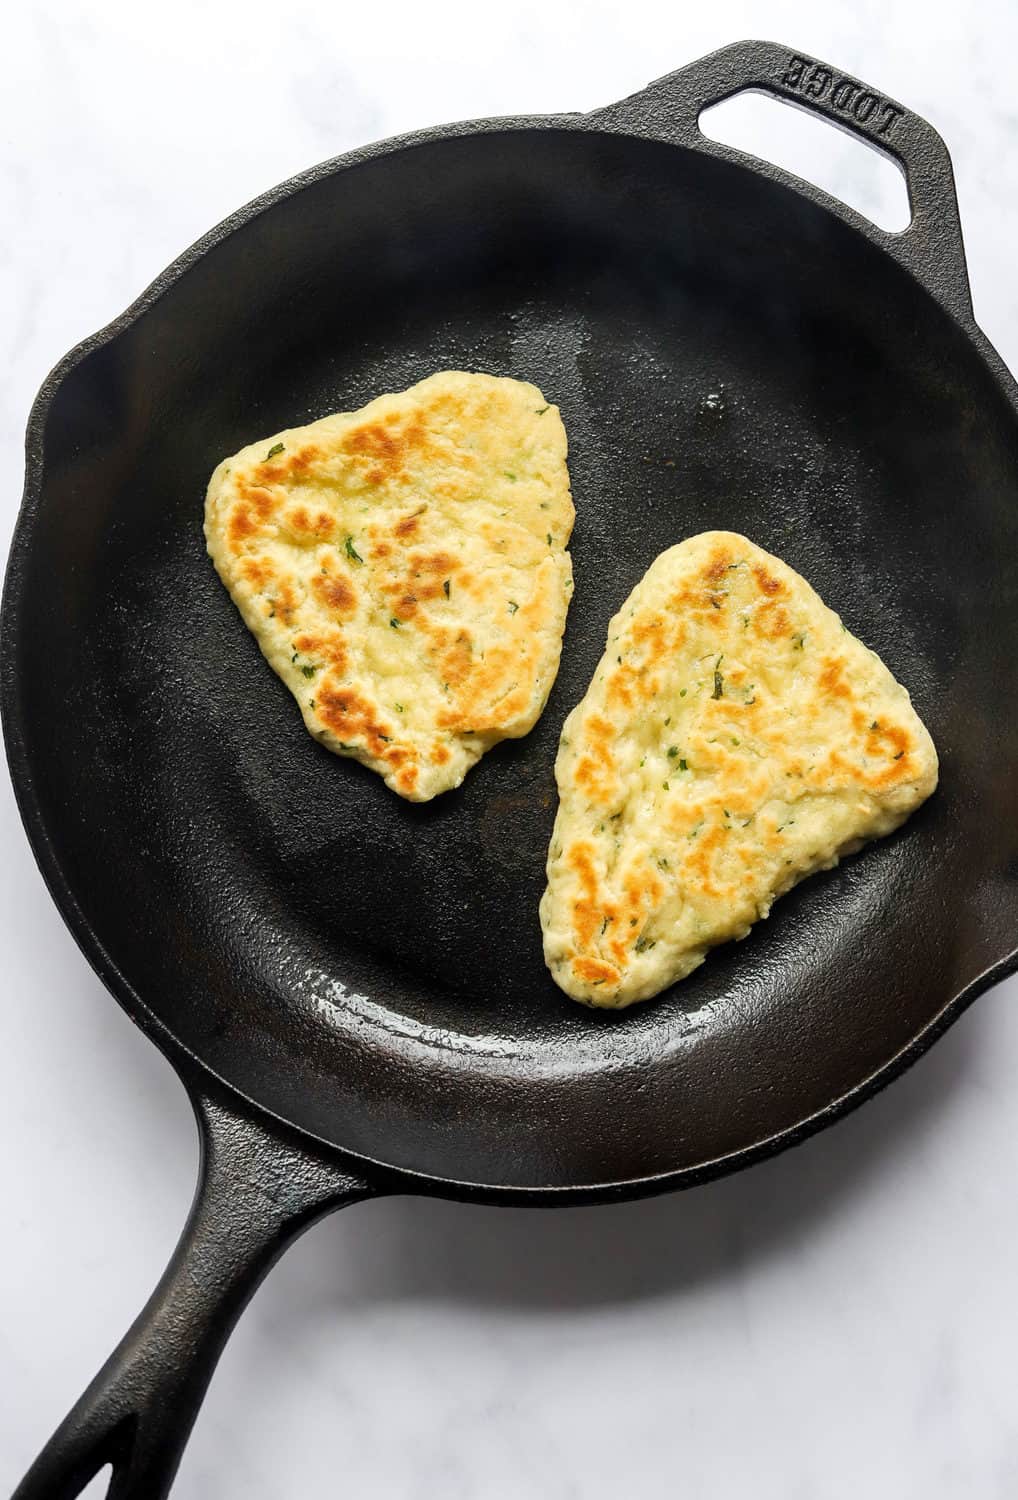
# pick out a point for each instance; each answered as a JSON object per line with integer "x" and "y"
{"x": 734, "y": 739}
{"x": 404, "y": 570}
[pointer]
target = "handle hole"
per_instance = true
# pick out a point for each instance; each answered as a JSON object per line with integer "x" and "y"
{"x": 866, "y": 179}
{"x": 98, "y": 1487}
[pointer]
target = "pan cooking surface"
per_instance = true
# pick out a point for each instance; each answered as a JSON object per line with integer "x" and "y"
{"x": 726, "y": 354}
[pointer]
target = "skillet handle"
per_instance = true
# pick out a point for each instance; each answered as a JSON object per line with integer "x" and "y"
{"x": 257, "y": 1192}
{"x": 931, "y": 247}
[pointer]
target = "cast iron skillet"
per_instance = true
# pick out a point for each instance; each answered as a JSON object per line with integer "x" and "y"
{"x": 351, "y": 987}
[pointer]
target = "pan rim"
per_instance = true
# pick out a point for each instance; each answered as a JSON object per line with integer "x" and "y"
{"x": 192, "y": 1069}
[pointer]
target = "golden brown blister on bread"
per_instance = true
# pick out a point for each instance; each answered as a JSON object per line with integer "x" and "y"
{"x": 404, "y": 570}
{"x": 734, "y": 739}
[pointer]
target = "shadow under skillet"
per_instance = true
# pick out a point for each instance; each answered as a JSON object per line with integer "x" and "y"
{"x": 430, "y": 1250}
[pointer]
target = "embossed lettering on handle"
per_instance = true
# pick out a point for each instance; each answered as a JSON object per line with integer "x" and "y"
{"x": 930, "y": 247}
{"x": 842, "y": 95}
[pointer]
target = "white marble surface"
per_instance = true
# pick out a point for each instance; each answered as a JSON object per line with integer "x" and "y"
{"x": 838, "y": 1323}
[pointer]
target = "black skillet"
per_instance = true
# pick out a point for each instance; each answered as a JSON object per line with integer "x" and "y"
{"x": 351, "y": 987}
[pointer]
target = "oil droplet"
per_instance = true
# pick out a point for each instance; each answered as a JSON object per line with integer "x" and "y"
{"x": 714, "y": 405}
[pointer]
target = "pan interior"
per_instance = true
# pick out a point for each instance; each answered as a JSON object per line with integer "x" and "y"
{"x": 725, "y": 354}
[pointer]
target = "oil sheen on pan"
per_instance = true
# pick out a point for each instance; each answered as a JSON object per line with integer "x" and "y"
{"x": 735, "y": 738}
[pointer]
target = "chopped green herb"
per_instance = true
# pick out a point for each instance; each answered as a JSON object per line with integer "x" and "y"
{"x": 351, "y": 550}
{"x": 604, "y": 926}
{"x": 394, "y": 623}
{"x": 716, "y": 603}
{"x": 513, "y": 606}
{"x": 875, "y": 724}
{"x": 800, "y": 642}
{"x": 276, "y": 448}
{"x": 662, "y": 863}
{"x": 666, "y": 786}
{"x": 683, "y": 765}
{"x": 445, "y": 588}
{"x": 398, "y": 707}
{"x": 726, "y": 812}
{"x": 749, "y": 820}
{"x": 540, "y": 411}
{"x": 673, "y": 751}
{"x": 549, "y": 538}
{"x": 719, "y": 684}
{"x": 633, "y": 921}
{"x": 293, "y": 658}
{"x": 682, "y": 692}
{"x": 509, "y": 476}
{"x": 643, "y": 762}
{"x": 309, "y": 671}
{"x": 899, "y": 755}
{"x": 311, "y": 704}
{"x": 386, "y": 737}
{"x": 668, "y": 721}
{"x": 734, "y": 740}
{"x": 644, "y": 944}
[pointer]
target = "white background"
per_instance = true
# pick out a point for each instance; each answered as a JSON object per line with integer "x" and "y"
{"x": 838, "y": 1323}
